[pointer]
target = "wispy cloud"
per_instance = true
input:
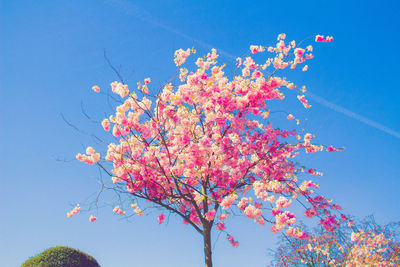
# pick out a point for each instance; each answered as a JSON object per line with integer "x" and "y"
{"x": 139, "y": 13}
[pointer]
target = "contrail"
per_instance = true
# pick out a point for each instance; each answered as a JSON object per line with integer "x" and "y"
{"x": 353, "y": 115}
{"x": 132, "y": 9}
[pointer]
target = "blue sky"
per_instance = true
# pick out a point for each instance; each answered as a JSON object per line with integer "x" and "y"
{"x": 52, "y": 54}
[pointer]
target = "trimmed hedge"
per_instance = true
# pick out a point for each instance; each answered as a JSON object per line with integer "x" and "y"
{"x": 61, "y": 257}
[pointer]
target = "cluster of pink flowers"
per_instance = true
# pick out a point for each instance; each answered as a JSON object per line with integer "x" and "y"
{"x": 106, "y": 124}
{"x": 228, "y": 201}
{"x": 210, "y": 215}
{"x": 282, "y": 219}
{"x": 74, "y": 211}
{"x": 221, "y": 226}
{"x": 90, "y": 158}
{"x": 296, "y": 233}
{"x": 310, "y": 148}
{"x": 232, "y": 241}
{"x": 370, "y": 245}
{"x": 161, "y": 218}
{"x": 120, "y": 89}
{"x": 181, "y": 55}
{"x": 206, "y": 136}
{"x": 118, "y": 210}
{"x": 283, "y": 202}
{"x": 257, "y": 48}
{"x": 303, "y": 189}
{"x": 321, "y": 38}
{"x": 329, "y": 223}
{"x": 314, "y": 172}
{"x": 115, "y": 179}
{"x": 92, "y": 218}
{"x": 96, "y": 89}
{"x": 243, "y": 203}
{"x": 252, "y": 212}
{"x": 331, "y": 149}
{"x": 144, "y": 88}
{"x": 304, "y": 101}
{"x": 137, "y": 210}
{"x": 373, "y": 250}
{"x": 183, "y": 72}
{"x": 290, "y": 117}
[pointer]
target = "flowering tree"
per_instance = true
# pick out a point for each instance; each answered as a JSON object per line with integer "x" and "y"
{"x": 364, "y": 244}
{"x": 204, "y": 147}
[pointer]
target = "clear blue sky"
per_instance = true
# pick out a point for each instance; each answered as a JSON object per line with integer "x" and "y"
{"x": 52, "y": 53}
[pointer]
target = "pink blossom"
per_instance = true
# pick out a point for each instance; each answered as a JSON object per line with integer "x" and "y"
{"x": 275, "y": 229}
{"x": 145, "y": 89}
{"x": 116, "y": 209}
{"x": 161, "y": 218}
{"x": 243, "y": 203}
{"x": 275, "y": 211}
{"x": 120, "y": 89}
{"x": 228, "y": 201}
{"x": 304, "y": 101}
{"x": 281, "y": 36}
{"x": 299, "y": 52}
{"x": 95, "y": 157}
{"x": 330, "y": 149}
{"x": 92, "y": 218}
{"x": 180, "y": 56}
{"x": 321, "y": 38}
{"x": 96, "y": 89}
{"x": 79, "y": 156}
{"x": 221, "y": 226}
{"x": 255, "y": 49}
{"x": 223, "y": 216}
{"x": 137, "y": 210}
{"x": 74, "y": 211}
{"x": 283, "y": 202}
{"x": 210, "y": 215}
{"x": 311, "y": 212}
{"x": 290, "y": 85}
{"x": 245, "y": 72}
{"x": 106, "y": 124}
{"x": 260, "y": 221}
{"x": 232, "y": 241}
{"x": 89, "y": 150}
{"x": 307, "y": 137}
{"x": 239, "y": 61}
{"x": 290, "y": 117}
{"x": 252, "y": 212}
{"x": 183, "y": 74}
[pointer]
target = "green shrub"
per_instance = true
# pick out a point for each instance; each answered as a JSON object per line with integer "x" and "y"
{"x": 61, "y": 257}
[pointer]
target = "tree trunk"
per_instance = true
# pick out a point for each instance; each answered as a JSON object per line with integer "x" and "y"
{"x": 207, "y": 246}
